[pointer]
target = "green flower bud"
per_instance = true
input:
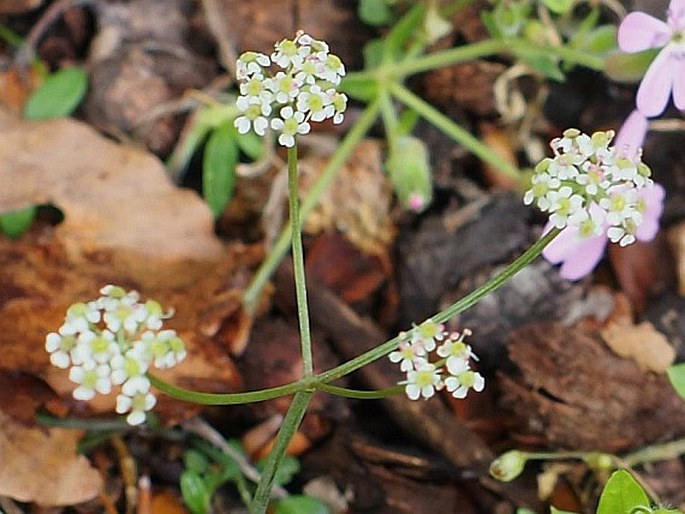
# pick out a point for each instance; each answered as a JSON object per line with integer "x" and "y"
{"x": 410, "y": 172}
{"x": 508, "y": 465}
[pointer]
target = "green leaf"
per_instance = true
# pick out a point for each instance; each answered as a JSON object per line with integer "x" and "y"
{"x": 676, "y": 374}
{"x": 623, "y": 67}
{"x": 364, "y": 89}
{"x": 218, "y": 168}
{"x": 288, "y": 468}
{"x": 13, "y": 224}
{"x": 250, "y": 144}
{"x": 621, "y": 495}
{"x": 554, "y": 510}
{"x": 301, "y": 504}
{"x": 375, "y": 12}
{"x": 194, "y": 460}
{"x": 548, "y": 66}
{"x": 403, "y": 30}
{"x": 373, "y": 53}
{"x": 597, "y": 41}
{"x": 58, "y": 96}
{"x": 559, "y": 6}
{"x": 195, "y": 493}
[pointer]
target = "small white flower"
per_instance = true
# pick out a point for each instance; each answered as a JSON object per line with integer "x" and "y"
{"x": 91, "y": 377}
{"x": 59, "y": 347}
{"x": 315, "y": 102}
{"x": 284, "y": 87}
{"x": 408, "y": 355}
{"x": 135, "y": 397}
{"x": 134, "y": 363}
{"x": 423, "y": 381}
{"x": 255, "y": 114}
{"x": 456, "y": 351}
{"x": 339, "y": 104}
{"x": 289, "y": 53}
{"x": 251, "y": 64}
{"x": 290, "y": 124}
{"x": 460, "y": 384}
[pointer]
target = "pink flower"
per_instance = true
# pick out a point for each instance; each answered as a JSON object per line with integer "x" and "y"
{"x": 579, "y": 255}
{"x": 632, "y": 134}
{"x": 639, "y": 31}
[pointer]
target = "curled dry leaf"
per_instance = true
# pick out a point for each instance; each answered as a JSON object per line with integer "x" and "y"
{"x": 648, "y": 347}
{"x": 41, "y": 465}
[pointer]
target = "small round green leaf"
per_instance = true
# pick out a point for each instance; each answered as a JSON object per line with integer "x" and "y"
{"x": 195, "y": 493}
{"x": 375, "y": 12}
{"x": 621, "y": 495}
{"x": 14, "y": 224}
{"x": 676, "y": 374}
{"x": 58, "y": 96}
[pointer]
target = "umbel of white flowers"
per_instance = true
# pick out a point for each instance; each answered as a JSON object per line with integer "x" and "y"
{"x": 296, "y": 84}
{"x": 592, "y": 186}
{"x": 426, "y": 376}
{"x": 112, "y": 341}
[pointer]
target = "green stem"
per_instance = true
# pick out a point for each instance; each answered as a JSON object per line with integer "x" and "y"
{"x": 291, "y": 422}
{"x": 461, "y": 136}
{"x": 298, "y": 264}
{"x": 461, "y": 305}
{"x": 361, "y": 126}
{"x": 358, "y": 394}
{"x": 229, "y": 398}
{"x": 321, "y": 380}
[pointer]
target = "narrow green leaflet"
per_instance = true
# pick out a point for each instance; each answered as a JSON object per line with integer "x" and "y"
{"x": 623, "y": 67}
{"x": 58, "y": 96}
{"x": 15, "y": 223}
{"x": 218, "y": 168}
{"x": 676, "y": 374}
{"x": 621, "y": 495}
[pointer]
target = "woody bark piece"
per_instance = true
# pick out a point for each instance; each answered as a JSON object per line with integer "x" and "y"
{"x": 574, "y": 392}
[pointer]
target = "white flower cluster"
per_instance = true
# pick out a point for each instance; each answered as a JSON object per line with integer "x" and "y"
{"x": 425, "y": 377}
{"x": 112, "y": 341}
{"x": 301, "y": 90}
{"x": 592, "y": 186}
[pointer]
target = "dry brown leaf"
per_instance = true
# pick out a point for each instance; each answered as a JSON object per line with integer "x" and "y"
{"x": 642, "y": 343}
{"x": 112, "y": 196}
{"x": 41, "y": 465}
{"x": 357, "y": 203}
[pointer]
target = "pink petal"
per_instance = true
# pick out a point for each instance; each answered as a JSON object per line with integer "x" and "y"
{"x": 585, "y": 260}
{"x": 676, "y": 15}
{"x": 679, "y": 82}
{"x": 655, "y": 89}
{"x": 639, "y": 31}
{"x": 578, "y": 255}
{"x": 632, "y": 134}
{"x": 654, "y": 203}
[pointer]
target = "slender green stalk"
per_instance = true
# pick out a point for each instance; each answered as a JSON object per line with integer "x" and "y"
{"x": 228, "y": 398}
{"x": 292, "y": 420}
{"x": 280, "y": 248}
{"x": 461, "y": 136}
{"x": 461, "y": 305}
{"x": 298, "y": 264}
{"x": 358, "y": 394}
{"x": 321, "y": 380}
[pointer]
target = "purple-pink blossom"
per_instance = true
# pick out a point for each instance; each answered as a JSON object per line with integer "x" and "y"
{"x": 579, "y": 255}
{"x": 640, "y": 31}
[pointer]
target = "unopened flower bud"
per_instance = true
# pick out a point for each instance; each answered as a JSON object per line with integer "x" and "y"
{"x": 508, "y": 466}
{"x": 410, "y": 172}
